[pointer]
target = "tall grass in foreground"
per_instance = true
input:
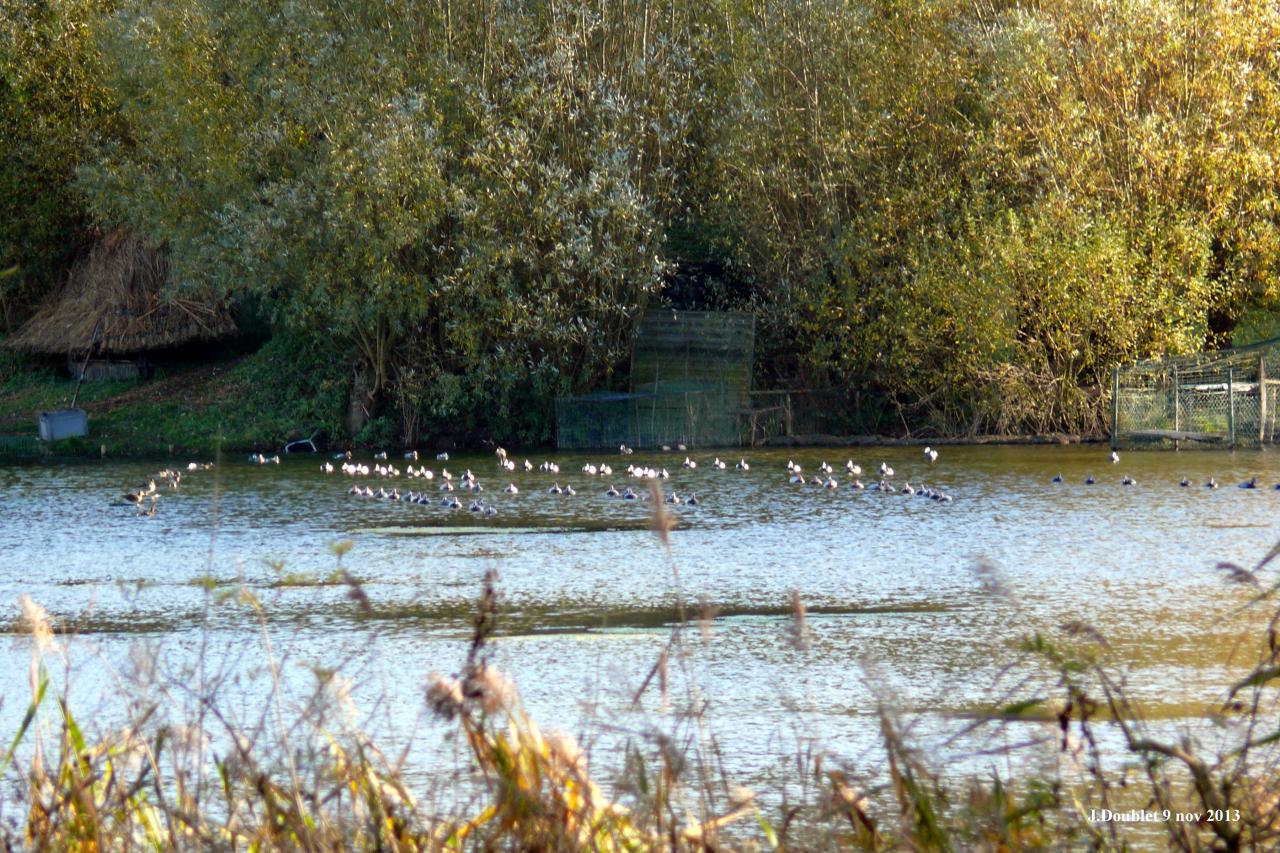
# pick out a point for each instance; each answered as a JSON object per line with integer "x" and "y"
{"x": 307, "y": 778}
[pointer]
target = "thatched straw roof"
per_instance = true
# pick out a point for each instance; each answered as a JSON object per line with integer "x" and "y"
{"x": 117, "y": 290}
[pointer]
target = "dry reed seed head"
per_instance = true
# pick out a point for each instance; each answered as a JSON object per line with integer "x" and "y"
{"x": 990, "y": 579}
{"x": 844, "y": 795}
{"x": 801, "y": 636}
{"x": 187, "y": 739}
{"x": 662, "y": 522}
{"x": 444, "y": 696}
{"x": 340, "y": 549}
{"x": 1076, "y": 628}
{"x": 706, "y": 621}
{"x": 35, "y": 621}
{"x": 740, "y": 796}
{"x": 565, "y": 751}
{"x": 356, "y": 593}
{"x": 490, "y": 689}
{"x": 485, "y": 621}
{"x": 339, "y": 689}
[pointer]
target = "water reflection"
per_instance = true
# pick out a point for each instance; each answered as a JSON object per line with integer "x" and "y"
{"x": 588, "y": 593}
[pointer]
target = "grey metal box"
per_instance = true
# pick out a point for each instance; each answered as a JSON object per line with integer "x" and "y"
{"x": 64, "y": 423}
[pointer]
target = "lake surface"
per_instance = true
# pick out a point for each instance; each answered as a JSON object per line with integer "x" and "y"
{"x": 589, "y": 595}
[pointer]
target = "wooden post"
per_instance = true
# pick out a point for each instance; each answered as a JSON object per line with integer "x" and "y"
{"x": 1177, "y": 406}
{"x": 1262, "y": 399}
{"x": 1231, "y": 408}
{"x": 1115, "y": 407}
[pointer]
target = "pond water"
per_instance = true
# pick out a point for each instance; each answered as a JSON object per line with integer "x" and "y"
{"x": 588, "y": 594}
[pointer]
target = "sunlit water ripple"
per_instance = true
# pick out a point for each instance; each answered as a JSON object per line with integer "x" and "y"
{"x": 589, "y": 595}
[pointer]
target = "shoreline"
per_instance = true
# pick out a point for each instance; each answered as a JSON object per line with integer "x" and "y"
{"x": 16, "y": 447}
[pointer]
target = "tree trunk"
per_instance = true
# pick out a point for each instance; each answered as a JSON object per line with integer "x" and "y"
{"x": 361, "y": 403}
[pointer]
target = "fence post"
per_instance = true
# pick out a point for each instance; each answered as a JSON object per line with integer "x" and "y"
{"x": 1231, "y": 409}
{"x": 1262, "y": 399}
{"x": 1177, "y": 407}
{"x": 1115, "y": 407}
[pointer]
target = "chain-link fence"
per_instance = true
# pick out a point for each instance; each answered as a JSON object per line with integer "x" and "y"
{"x": 690, "y": 384}
{"x": 664, "y": 414}
{"x": 1227, "y": 398}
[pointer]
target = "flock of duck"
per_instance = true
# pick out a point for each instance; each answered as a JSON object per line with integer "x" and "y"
{"x": 1185, "y": 482}
{"x": 146, "y": 496}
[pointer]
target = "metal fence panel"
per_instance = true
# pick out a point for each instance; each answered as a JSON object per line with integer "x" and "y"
{"x": 1222, "y": 399}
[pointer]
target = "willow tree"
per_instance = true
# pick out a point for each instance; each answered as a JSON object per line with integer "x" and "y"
{"x": 969, "y": 211}
{"x": 53, "y": 105}
{"x": 467, "y": 201}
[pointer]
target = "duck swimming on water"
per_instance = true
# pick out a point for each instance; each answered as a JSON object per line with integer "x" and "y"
{"x": 1057, "y": 478}
{"x": 1211, "y": 484}
{"x": 1251, "y": 483}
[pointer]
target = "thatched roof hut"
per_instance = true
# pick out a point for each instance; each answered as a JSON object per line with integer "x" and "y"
{"x": 113, "y": 303}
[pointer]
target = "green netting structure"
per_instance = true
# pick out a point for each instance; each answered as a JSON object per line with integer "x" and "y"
{"x": 690, "y": 384}
{"x": 1226, "y": 398}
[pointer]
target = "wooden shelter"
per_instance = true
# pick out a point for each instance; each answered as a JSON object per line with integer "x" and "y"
{"x": 113, "y": 306}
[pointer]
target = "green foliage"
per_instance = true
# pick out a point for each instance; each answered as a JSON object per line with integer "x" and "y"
{"x": 965, "y": 212}
{"x": 974, "y": 211}
{"x": 442, "y": 196}
{"x": 53, "y": 102}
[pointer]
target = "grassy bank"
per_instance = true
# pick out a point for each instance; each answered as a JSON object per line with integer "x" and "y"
{"x": 236, "y": 402}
